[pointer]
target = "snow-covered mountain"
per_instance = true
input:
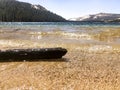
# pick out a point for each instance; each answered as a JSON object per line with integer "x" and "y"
{"x": 98, "y": 17}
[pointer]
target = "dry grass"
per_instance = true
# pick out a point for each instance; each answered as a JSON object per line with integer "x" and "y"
{"x": 79, "y": 71}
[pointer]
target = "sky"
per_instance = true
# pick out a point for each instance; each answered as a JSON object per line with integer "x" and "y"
{"x": 77, "y": 8}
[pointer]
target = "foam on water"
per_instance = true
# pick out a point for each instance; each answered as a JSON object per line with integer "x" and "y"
{"x": 78, "y": 36}
{"x": 101, "y": 48}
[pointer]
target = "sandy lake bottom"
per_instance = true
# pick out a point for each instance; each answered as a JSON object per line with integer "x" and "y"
{"x": 92, "y": 61}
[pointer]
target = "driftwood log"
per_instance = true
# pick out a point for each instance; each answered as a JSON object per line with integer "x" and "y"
{"x": 30, "y": 54}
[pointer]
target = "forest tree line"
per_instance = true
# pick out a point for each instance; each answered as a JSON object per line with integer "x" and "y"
{"x": 16, "y": 11}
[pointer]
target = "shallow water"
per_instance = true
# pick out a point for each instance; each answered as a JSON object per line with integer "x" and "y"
{"x": 92, "y": 61}
{"x": 71, "y": 35}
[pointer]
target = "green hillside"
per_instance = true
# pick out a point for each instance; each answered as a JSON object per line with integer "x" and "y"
{"x": 16, "y": 11}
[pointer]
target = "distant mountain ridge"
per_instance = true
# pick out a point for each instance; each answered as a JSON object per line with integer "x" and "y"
{"x": 107, "y": 17}
{"x": 16, "y": 11}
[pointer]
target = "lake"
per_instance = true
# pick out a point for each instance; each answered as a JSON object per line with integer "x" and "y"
{"x": 91, "y": 36}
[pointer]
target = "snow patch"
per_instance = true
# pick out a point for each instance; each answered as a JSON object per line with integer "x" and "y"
{"x": 35, "y": 7}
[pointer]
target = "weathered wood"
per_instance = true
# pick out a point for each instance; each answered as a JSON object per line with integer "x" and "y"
{"x": 30, "y": 54}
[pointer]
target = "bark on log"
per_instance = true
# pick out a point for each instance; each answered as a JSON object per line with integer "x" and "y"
{"x": 30, "y": 54}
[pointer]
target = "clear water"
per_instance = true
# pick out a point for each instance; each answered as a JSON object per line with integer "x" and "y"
{"x": 92, "y": 36}
{"x": 93, "y": 56}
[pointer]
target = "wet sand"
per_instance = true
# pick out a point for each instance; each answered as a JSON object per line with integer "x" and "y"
{"x": 78, "y": 70}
